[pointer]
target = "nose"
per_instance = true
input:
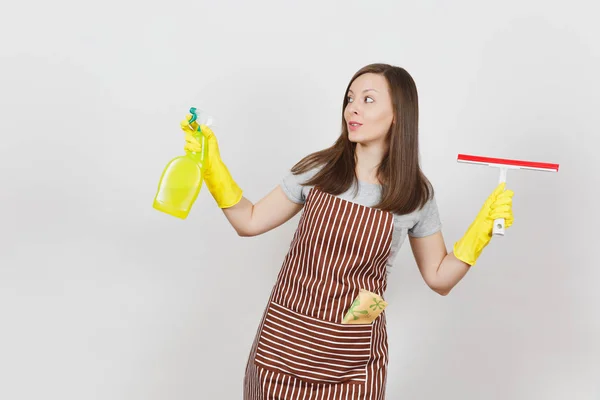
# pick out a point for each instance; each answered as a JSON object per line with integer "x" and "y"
{"x": 353, "y": 109}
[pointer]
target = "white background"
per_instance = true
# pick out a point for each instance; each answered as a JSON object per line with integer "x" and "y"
{"x": 103, "y": 297}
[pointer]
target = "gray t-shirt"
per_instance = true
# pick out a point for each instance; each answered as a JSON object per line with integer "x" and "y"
{"x": 419, "y": 223}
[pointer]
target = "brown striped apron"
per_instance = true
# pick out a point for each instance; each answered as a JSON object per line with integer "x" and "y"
{"x": 302, "y": 350}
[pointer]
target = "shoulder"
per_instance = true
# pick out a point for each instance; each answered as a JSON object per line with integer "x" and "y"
{"x": 294, "y": 185}
{"x": 427, "y": 219}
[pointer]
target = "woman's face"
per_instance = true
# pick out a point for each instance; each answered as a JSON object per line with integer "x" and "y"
{"x": 369, "y": 113}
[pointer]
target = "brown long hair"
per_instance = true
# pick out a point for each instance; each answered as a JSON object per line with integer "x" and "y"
{"x": 404, "y": 186}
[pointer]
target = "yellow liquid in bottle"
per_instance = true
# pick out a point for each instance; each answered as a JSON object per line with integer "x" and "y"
{"x": 180, "y": 183}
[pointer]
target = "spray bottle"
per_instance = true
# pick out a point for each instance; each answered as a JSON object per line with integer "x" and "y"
{"x": 183, "y": 176}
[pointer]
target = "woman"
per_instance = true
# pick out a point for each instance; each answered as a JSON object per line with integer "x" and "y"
{"x": 362, "y": 197}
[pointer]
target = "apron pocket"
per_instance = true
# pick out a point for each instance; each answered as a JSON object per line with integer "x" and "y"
{"x": 311, "y": 349}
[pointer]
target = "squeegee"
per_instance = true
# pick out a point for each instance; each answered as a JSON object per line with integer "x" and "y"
{"x": 504, "y": 165}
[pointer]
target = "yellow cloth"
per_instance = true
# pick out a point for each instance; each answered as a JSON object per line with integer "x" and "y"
{"x": 478, "y": 235}
{"x": 218, "y": 180}
{"x": 365, "y": 308}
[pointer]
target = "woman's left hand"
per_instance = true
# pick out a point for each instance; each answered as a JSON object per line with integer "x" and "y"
{"x": 498, "y": 205}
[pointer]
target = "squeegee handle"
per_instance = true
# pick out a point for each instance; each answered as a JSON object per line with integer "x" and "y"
{"x": 498, "y": 229}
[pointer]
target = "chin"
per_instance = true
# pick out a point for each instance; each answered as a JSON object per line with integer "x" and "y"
{"x": 364, "y": 140}
{"x": 357, "y": 138}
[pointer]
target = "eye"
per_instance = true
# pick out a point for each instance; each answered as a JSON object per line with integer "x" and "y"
{"x": 369, "y": 98}
{"x": 349, "y": 99}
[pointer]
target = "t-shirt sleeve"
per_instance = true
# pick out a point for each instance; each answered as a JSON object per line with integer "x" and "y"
{"x": 293, "y": 186}
{"x": 429, "y": 220}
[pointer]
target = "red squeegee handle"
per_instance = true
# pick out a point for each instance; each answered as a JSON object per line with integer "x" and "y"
{"x": 505, "y": 161}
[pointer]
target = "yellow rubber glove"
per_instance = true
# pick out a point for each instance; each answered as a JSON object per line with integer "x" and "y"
{"x": 216, "y": 175}
{"x": 478, "y": 235}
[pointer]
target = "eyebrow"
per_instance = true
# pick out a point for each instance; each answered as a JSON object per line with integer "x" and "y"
{"x": 366, "y": 90}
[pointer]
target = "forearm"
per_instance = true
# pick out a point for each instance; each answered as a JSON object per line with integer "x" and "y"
{"x": 449, "y": 273}
{"x": 240, "y": 217}
{"x": 271, "y": 211}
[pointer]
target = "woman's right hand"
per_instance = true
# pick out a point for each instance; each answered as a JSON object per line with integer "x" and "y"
{"x": 219, "y": 181}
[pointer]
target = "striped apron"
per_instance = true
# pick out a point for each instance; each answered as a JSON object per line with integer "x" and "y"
{"x": 302, "y": 350}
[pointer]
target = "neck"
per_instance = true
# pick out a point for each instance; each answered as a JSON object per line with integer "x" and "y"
{"x": 368, "y": 159}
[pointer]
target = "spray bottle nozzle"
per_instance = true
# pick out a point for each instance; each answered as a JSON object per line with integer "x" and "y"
{"x": 194, "y": 116}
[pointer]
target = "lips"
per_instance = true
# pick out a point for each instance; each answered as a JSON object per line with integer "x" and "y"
{"x": 352, "y": 125}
